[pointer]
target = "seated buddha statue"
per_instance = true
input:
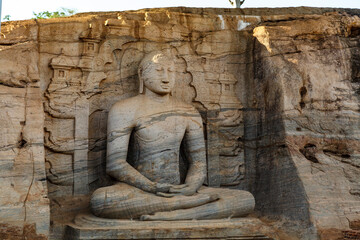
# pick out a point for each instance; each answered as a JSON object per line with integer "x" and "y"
{"x": 151, "y": 188}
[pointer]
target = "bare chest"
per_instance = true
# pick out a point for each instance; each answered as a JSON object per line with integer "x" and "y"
{"x": 161, "y": 129}
{"x": 158, "y": 138}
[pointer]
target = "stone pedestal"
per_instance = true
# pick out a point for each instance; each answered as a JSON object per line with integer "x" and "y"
{"x": 86, "y": 227}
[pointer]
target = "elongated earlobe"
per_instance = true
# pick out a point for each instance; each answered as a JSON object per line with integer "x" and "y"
{"x": 141, "y": 81}
{"x": 141, "y": 85}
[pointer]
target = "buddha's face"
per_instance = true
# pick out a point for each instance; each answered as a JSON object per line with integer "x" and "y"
{"x": 158, "y": 75}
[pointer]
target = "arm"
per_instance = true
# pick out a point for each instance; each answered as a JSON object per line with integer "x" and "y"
{"x": 195, "y": 148}
{"x": 120, "y": 124}
{"x": 195, "y": 152}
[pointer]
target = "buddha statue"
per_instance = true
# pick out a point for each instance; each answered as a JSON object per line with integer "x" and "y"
{"x": 151, "y": 188}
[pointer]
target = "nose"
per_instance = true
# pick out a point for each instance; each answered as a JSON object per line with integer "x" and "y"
{"x": 165, "y": 79}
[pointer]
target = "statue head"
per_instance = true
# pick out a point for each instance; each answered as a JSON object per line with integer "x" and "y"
{"x": 157, "y": 73}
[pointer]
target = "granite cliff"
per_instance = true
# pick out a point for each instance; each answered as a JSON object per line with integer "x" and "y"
{"x": 278, "y": 91}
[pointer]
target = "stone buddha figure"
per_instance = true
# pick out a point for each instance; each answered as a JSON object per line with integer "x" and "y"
{"x": 151, "y": 187}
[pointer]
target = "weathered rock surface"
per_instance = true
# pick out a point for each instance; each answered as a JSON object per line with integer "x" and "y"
{"x": 24, "y": 205}
{"x": 307, "y": 80}
{"x": 278, "y": 91}
{"x": 86, "y": 226}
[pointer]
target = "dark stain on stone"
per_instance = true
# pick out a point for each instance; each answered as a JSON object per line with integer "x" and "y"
{"x": 339, "y": 149}
{"x": 22, "y": 142}
{"x": 355, "y": 66}
{"x": 309, "y": 152}
{"x": 303, "y": 92}
{"x": 28, "y": 232}
{"x": 302, "y": 104}
{"x": 137, "y": 30}
{"x": 354, "y": 31}
{"x": 354, "y": 235}
{"x": 355, "y": 225}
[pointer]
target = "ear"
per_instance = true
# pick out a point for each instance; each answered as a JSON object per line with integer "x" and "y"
{"x": 141, "y": 81}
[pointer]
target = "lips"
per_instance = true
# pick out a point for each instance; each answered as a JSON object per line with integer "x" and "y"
{"x": 165, "y": 86}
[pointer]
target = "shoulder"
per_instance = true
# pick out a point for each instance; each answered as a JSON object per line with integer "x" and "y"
{"x": 126, "y": 105}
{"x": 190, "y": 112}
{"x": 124, "y": 110}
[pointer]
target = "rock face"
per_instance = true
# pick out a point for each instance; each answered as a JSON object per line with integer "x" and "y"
{"x": 279, "y": 97}
{"x": 306, "y": 73}
{"x": 23, "y": 199}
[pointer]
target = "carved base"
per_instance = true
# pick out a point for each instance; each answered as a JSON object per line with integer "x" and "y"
{"x": 86, "y": 227}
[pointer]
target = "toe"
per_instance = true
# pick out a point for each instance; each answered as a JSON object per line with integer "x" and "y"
{"x": 145, "y": 217}
{"x": 214, "y": 196}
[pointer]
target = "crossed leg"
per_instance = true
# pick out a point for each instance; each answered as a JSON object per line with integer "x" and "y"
{"x": 122, "y": 201}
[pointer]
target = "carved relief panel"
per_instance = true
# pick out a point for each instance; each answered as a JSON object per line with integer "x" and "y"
{"x": 84, "y": 87}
